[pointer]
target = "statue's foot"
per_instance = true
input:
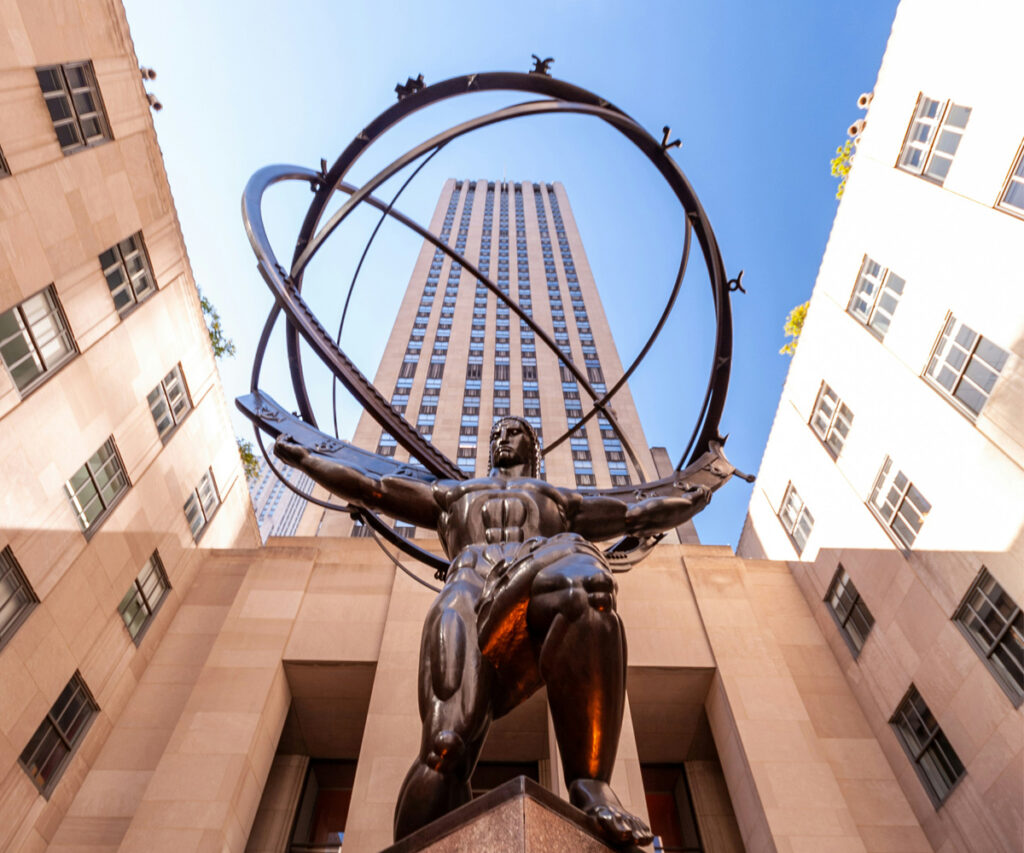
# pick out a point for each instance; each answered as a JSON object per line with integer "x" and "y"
{"x": 611, "y": 821}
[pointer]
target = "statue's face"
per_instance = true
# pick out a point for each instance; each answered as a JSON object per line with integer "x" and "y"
{"x": 511, "y": 445}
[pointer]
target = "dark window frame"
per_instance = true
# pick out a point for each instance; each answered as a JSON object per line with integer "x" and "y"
{"x": 197, "y": 534}
{"x": 904, "y": 496}
{"x": 165, "y": 399}
{"x": 56, "y": 311}
{"x": 90, "y": 529}
{"x": 834, "y": 421}
{"x": 12, "y": 574}
{"x": 71, "y": 96}
{"x": 935, "y": 745}
{"x": 834, "y": 600}
{"x": 119, "y": 263}
{"x": 67, "y": 738}
{"x": 1013, "y": 624}
{"x": 801, "y": 510}
{"x": 137, "y": 592}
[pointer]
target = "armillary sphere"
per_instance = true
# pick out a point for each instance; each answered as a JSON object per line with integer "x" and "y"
{"x": 702, "y": 462}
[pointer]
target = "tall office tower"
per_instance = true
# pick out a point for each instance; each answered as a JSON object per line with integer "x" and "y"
{"x": 895, "y": 465}
{"x": 117, "y": 457}
{"x": 279, "y": 510}
{"x": 457, "y": 359}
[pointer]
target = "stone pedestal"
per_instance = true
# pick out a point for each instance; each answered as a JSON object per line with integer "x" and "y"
{"x": 517, "y": 817}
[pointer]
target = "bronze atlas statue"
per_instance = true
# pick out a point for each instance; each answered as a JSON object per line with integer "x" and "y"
{"x": 528, "y": 593}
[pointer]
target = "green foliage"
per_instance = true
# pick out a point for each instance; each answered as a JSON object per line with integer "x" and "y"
{"x": 841, "y": 165}
{"x": 221, "y": 343}
{"x": 794, "y": 326}
{"x": 250, "y": 464}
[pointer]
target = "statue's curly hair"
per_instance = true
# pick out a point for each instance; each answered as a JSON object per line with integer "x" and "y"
{"x": 530, "y": 431}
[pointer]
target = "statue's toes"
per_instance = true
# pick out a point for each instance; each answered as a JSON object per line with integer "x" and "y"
{"x": 612, "y": 824}
{"x": 641, "y": 832}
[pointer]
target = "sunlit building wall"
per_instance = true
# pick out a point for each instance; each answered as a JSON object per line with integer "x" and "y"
{"x": 116, "y": 454}
{"x": 893, "y": 475}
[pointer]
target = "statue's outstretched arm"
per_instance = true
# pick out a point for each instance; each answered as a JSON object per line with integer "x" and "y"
{"x": 400, "y": 497}
{"x": 663, "y": 513}
{"x": 601, "y": 517}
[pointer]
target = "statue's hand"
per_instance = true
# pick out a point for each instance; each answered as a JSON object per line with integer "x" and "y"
{"x": 698, "y": 495}
{"x": 288, "y": 450}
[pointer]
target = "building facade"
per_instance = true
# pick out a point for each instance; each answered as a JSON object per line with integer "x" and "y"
{"x": 279, "y": 510}
{"x": 116, "y": 452}
{"x": 457, "y": 359}
{"x": 893, "y": 475}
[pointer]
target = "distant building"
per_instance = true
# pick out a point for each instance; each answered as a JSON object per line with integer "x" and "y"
{"x": 895, "y": 465}
{"x": 278, "y": 509}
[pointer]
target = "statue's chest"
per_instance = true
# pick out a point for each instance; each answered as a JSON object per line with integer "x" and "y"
{"x": 506, "y": 512}
{"x": 503, "y": 516}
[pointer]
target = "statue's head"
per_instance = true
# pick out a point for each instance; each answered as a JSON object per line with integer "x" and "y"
{"x": 514, "y": 443}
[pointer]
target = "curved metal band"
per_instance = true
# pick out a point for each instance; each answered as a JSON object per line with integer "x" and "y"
{"x": 299, "y": 313}
{"x": 624, "y": 123}
{"x": 707, "y": 426}
{"x": 611, "y": 392}
{"x": 287, "y": 289}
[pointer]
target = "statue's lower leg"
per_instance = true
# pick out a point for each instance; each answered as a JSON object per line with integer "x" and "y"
{"x": 454, "y": 702}
{"x": 583, "y": 663}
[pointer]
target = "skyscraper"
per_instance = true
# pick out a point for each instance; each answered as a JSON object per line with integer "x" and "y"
{"x": 279, "y": 511}
{"x": 457, "y": 358}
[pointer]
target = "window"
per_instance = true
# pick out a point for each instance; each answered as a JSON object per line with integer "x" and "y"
{"x": 144, "y": 597}
{"x": 849, "y": 610}
{"x": 796, "y": 518}
{"x": 1012, "y": 198}
{"x": 831, "y": 420}
{"x": 964, "y": 366}
{"x": 875, "y": 296}
{"x": 75, "y": 106}
{"x": 96, "y": 487}
{"x": 933, "y": 138}
{"x": 993, "y": 623}
{"x": 65, "y": 725}
{"x": 17, "y": 599}
{"x": 898, "y": 504}
{"x": 201, "y": 505}
{"x": 34, "y": 339}
{"x": 935, "y": 761}
{"x": 169, "y": 402}
{"x": 128, "y": 273}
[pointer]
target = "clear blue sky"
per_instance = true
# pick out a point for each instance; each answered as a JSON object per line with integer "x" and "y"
{"x": 760, "y": 94}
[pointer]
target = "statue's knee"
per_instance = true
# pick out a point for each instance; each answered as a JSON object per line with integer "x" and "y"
{"x": 587, "y": 593}
{"x": 600, "y": 589}
{"x": 445, "y": 752}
